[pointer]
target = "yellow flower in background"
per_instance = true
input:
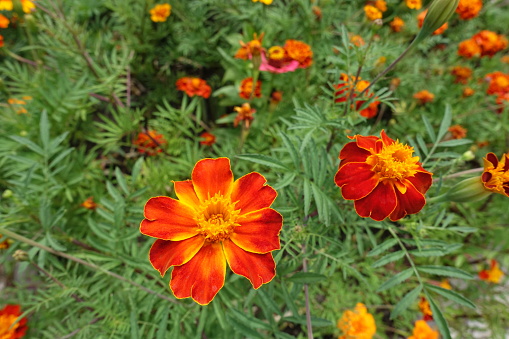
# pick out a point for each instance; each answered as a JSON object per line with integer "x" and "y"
{"x": 6, "y": 5}
{"x": 423, "y": 331}
{"x": 266, "y": 2}
{"x": 414, "y": 4}
{"x": 493, "y": 275}
{"x": 27, "y": 6}
{"x": 160, "y": 13}
{"x": 445, "y": 284}
{"x": 372, "y": 13}
{"x": 357, "y": 324}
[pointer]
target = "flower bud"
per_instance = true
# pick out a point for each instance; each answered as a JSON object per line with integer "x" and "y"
{"x": 20, "y": 255}
{"x": 7, "y": 194}
{"x": 468, "y": 190}
{"x": 439, "y": 13}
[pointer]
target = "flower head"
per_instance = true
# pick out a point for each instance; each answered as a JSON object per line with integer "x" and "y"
{"x": 253, "y": 47}
{"x": 149, "y": 142}
{"x": 208, "y": 139}
{"x": 383, "y": 177}
{"x": 445, "y": 284}
{"x": 1, "y": 41}
{"x": 462, "y": 74}
{"x": 458, "y": 131}
{"x": 357, "y": 40}
{"x": 372, "y": 13}
{"x": 244, "y": 113}
{"x": 502, "y": 101}
{"x": 381, "y": 5}
{"x": 490, "y": 42}
{"x": 468, "y": 92}
{"x": 276, "y": 97}
{"x": 424, "y": 97}
{"x": 246, "y": 89}
{"x": 89, "y": 204}
{"x": 420, "y": 21}
{"x": 277, "y": 60}
{"x": 493, "y": 275}
{"x": 357, "y": 323}
{"x": 4, "y": 244}
{"x": 27, "y": 6}
{"x": 397, "y": 24}
{"x": 8, "y": 328}
{"x": 469, "y": 49}
{"x": 4, "y": 21}
{"x": 495, "y": 177}
{"x": 351, "y": 85}
{"x": 425, "y": 309}
{"x": 215, "y": 221}
{"x": 498, "y": 83}
{"x": 423, "y": 331}
{"x": 299, "y": 51}
{"x": 6, "y": 5}
{"x": 413, "y": 4}
{"x": 160, "y": 12}
{"x": 469, "y": 9}
{"x": 194, "y": 86}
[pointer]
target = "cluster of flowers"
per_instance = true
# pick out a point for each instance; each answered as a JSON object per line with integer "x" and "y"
{"x": 484, "y": 43}
{"x": 27, "y": 6}
{"x": 18, "y": 105}
{"x": 350, "y": 88}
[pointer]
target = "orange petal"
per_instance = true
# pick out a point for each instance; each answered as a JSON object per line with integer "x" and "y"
{"x": 202, "y": 276}
{"x": 352, "y": 153}
{"x": 368, "y": 143}
{"x": 378, "y": 204}
{"x": 185, "y": 192}
{"x": 387, "y": 141}
{"x": 409, "y": 203}
{"x": 251, "y": 193}
{"x": 166, "y": 253}
{"x": 258, "y": 268}
{"x": 168, "y": 219}
{"x": 356, "y": 180}
{"x": 421, "y": 180}
{"x": 258, "y": 231}
{"x": 211, "y": 176}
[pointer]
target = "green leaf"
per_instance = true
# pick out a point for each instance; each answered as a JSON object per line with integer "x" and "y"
{"x": 134, "y": 325}
{"x": 28, "y": 143}
{"x": 443, "y": 327}
{"x": 263, "y": 160}
{"x": 455, "y": 142}
{"x": 428, "y": 252}
{"x": 290, "y": 148}
{"x": 397, "y": 279}
{"x": 163, "y": 324}
{"x": 219, "y": 315}
{"x": 451, "y": 295}
{"x": 306, "y": 277}
{"x": 394, "y": 256}
{"x": 382, "y": 247}
{"x": 446, "y": 123}
{"x": 136, "y": 170}
{"x": 429, "y": 128}
{"x": 463, "y": 229}
{"x": 121, "y": 180}
{"x": 406, "y": 301}
{"x": 447, "y": 271}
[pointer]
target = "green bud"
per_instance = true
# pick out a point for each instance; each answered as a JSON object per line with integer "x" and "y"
{"x": 468, "y": 190}
{"x": 7, "y": 194}
{"x": 439, "y": 13}
{"x": 467, "y": 156}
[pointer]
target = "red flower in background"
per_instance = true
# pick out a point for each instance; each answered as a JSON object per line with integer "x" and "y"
{"x": 194, "y": 86}
{"x": 494, "y": 274}
{"x": 149, "y": 142}
{"x": 209, "y": 139}
{"x": 9, "y": 330}
{"x": 246, "y": 89}
{"x": 383, "y": 177}
{"x": 350, "y": 85}
{"x": 215, "y": 221}
{"x": 469, "y": 9}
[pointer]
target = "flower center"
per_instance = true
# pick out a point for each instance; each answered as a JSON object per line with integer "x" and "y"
{"x": 5, "y": 322}
{"x": 394, "y": 162}
{"x": 217, "y": 217}
{"x": 499, "y": 179}
{"x": 276, "y": 53}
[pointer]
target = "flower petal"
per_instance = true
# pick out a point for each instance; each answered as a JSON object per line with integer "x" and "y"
{"x": 367, "y": 143}
{"x": 386, "y": 140}
{"x": 421, "y": 180}
{"x": 378, "y": 204}
{"x": 166, "y": 253}
{"x": 352, "y": 153}
{"x": 185, "y": 192}
{"x": 412, "y": 201}
{"x": 258, "y": 231}
{"x": 211, "y": 176}
{"x": 168, "y": 219}
{"x": 251, "y": 193}
{"x": 202, "y": 276}
{"x": 258, "y": 268}
{"x": 356, "y": 180}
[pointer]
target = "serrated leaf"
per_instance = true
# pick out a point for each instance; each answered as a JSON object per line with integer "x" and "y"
{"x": 382, "y": 247}
{"x": 455, "y": 142}
{"x": 443, "y": 327}
{"x": 397, "y": 279}
{"x": 306, "y": 278}
{"x": 446, "y": 271}
{"x": 263, "y": 160}
{"x": 394, "y": 256}
{"x": 406, "y": 301}
{"x": 451, "y": 295}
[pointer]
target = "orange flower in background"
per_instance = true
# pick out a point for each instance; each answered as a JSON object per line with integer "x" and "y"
{"x": 495, "y": 176}
{"x": 381, "y": 5}
{"x": 420, "y": 21}
{"x": 425, "y": 309}
{"x": 468, "y": 92}
{"x": 149, "y": 142}
{"x": 462, "y": 74}
{"x": 357, "y": 40}
{"x": 458, "y": 131}
{"x": 490, "y": 42}
{"x": 413, "y": 4}
{"x": 469, "y": 49}
{"x": 27, "y": 6}
{"x": 265, "y": 2}
{"x": 4, "y": 244}
{"x": 246, "y": 89}
{"x": 505, "y": 59}
{"x": 244, "y": 113}
{"x": 498, "y": 83}
{"x": 209, "y": 139}
{"x": 317, "y": 11}
{"x": 9, "y": 329}
{"x": 469, "y": 9}
{"x": 215, "y": 221}
{"x": 445, "y": 284}
{"x": 194, "y": 86}
{"x": 423, "y": 331}
{"x": 368, "y": 112}
{"x": 347, "y": 85}
{"x": 160, "y": 12}
{"x": 1, "y": 41}
{"x": 276, "y": 97}
{"x": 277, "y": 60}
{"x": 299, "y": 51}
{"x": 4, "y": 21}
{"x": 502, "y": 102}
{"x": 6, "y": 5}
{"x": 372, "y": 13}
{"x": 357, "y": 323}
{"x": 89, "y": 204}
{"x": 493, "y": 275}
{"x": 424, "y": 97}
{"x": 397, "y": 24}
{"x": 383, "y": 177}
{"x": 253, "y": 47}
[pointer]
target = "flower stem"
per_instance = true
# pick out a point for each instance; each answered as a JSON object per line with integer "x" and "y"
{"x": 306, "y": 294}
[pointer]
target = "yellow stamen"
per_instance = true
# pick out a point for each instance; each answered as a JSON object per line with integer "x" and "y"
{"x": 217, "y": 217}
{"x": 394, "y": 162}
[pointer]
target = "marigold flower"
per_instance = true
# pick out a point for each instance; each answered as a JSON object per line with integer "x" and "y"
{"x": 397, "y": 24}
{"x": 383, "y": 177}
{"x": 194, "y": 86}
{"x": 462, "y": 74}
{"x": 276, "y": 97}
{"x": 4, "y": 21}
{"x": 490, "y": 42}
{"x": 253, "y": 47}
{"x": 89, "y": 203}
{"x": 458, "y": 131}
{"x": 423, "y": 331}
{"x": 469, "y": 49}
{"x": 372, "y": 13}
{"x": 357, "y": 323}
{"x": 215, "y": 221}
{"x": 495, "y": 176}
{"x": 498, "y": 83}
{"x": 246, "y": 89}
{"x": 493, "y": 274}
{"x": 159, "y": 13}
{"x": 265, "y": 2}
{"x": 469, "y": 9}
{"x": 4, "y": 244}
{"x": 425, "y": 309}
{"x": 381, "y": 5}
{"x": 343, "y": 92}
{"x": 369, "y": 112}
{"x": 149, "y": 142}
{"x": 8, "y": 328}
{"x": 27, "y": 6}
{"x": 6, "y": 5}
{"x": 420, "y": 21}
{"x": 277, "y": 60}
{"x": 445, "y": 284}
{"x": 413, "y": 4}
{"x": 300, "y": 51}
{"x": 468, "y": 92}
{"x": 357, "y": 40}
{"x": 424, "y": 97}
{"x": 209, "y": 139}
{"x": 244, "y": 113}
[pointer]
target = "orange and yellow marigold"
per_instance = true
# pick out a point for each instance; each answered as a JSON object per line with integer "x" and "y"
{"x": 372, "y": 13}
{"x": 469, "y": 9}
{"x": 493, "y": 274}
{"x": 208, "y": 139}
{"x": 458, "y": 131}
{"x": 462, "y": 74}
{"x": 149, "y": 142}
{"x": 6, "y": 5}
{"x": 9, "y": 328}
{"x": 423, "y": 331}
{"x": 424, "y": 97}
{"x": 397, "y": 24}
{"x": 495, "y": 176}
{"x": 299, "y": 51}
{"x": 194, "y": 86}
{"x": 246, "y": 89}
{"x": 214, "y": 221}
{"x": 413, "y": 4}
{"x": 244, "y": 114}
{"x": 357, "y": 323}
{"x": 4, "y": 21}
{"x": 159, "y": 13}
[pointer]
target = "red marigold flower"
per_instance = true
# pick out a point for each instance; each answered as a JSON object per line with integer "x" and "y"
{"x": 462, "y": 74}
{"x": 424, "y": 97}
{"x": 490, "y": 42}
{"x": 420, "y": 21}
{"x": 383, "y": 177}
{"x": 357, "y": 323}
{"x": 469, "y": 9}
{"x": 4, "y": 244}
{"x": 498, "y": 83}
{"x": 276, "y": 97}
{"x": 8, "y": 328}
{"x": 469, "y": 49}
{"x": 246, "y": 89}
{"x": 300, "y": 51}
{"x": 89, "y": 204}
{"x": 194, "y": 86}
{"x": 215, "y": 221}
{"x": 502, "y": 102}
{"x": 209, "y": 139}
{"x": 414, "y": 4}
{"x": 343, "y": 92}
{"x": 1, "y": 41}
{"x": 369, "y": 112}
{"x": 397, "y": 24}
{"x": 160, "y": 12}
{"x": 495, "y": 176}
{"x": 468, "y": 92}
{"x": 458, "y": 131}
{"x": 149, "y": 142}
{"x": 244, "y": 113}
{"x": 423, "y": 331}
{"x": 493, "y": 275}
